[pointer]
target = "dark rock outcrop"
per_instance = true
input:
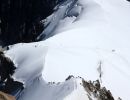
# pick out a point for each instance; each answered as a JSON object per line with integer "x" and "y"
{"x": 7, "y": 84}
{"x": 6, "y": 67}
{"x": 95, "y": 89}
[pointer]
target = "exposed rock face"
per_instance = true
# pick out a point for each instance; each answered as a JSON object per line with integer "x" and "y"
{"x": 20, "y": 19}
{"x": 6, "y": 67}
{"x": 4, "y": 96}
{"x": 95, "y": 89}
{"x": 7, "y": 84}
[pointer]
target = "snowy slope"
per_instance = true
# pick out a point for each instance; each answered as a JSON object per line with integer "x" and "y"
{"x": 46, "y": 91}
{"x": 97, "y": 39}
{"x": 100, "y": 33}
{"x": 29, "y": 60}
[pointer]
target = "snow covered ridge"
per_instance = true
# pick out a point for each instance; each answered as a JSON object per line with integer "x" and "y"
{"x": 68, "y": 8}
{"x": 94, "y": 45}
{"x": 94, "y": 90}
{"x": 31, "y": 75}
{"x": 72, "y": 88}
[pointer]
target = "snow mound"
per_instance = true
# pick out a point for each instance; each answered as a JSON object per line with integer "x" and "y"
{"x": 72, "y": 89}
{"x": 29, "y": 60}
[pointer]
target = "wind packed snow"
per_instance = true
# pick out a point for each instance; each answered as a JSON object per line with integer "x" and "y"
{"x": 29, "y": 59}
{"x": 96, "y": 34}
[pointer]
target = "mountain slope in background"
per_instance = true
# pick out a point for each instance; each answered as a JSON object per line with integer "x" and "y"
{"x": 90, "y": 40}
{"x": 20, "y": 20}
